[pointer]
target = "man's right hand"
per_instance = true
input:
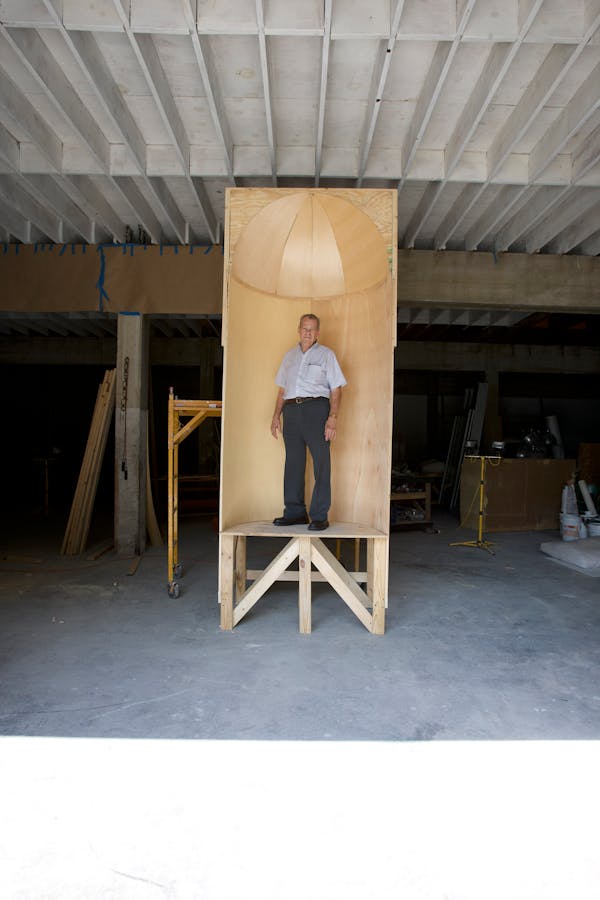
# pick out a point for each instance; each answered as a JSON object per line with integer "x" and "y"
{"x": 275, "y": 426}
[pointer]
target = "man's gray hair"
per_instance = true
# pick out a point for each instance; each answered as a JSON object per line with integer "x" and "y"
{"x": 310, "y": 316}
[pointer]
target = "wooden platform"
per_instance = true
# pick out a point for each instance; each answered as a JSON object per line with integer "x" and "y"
{"x": 237, "y": 597}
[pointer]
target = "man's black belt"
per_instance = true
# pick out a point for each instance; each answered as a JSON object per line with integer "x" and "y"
{"x": 302, "y": 400}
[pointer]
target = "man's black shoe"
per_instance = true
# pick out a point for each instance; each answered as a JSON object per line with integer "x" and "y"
{"x": 318, "y": 526}
{"x": 287, "y": 520}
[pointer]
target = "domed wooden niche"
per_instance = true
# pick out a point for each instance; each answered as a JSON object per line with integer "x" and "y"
{"x": 288, "y": 253}
{"x": 310, "y": 245}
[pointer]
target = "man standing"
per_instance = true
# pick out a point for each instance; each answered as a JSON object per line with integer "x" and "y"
{"x": 310, "y": 385}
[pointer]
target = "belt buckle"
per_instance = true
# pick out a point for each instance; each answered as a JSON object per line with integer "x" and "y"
{"x": 299, "y": 399}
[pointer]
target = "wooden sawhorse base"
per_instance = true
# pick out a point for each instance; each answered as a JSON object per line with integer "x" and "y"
{"x": 237, "y": 599}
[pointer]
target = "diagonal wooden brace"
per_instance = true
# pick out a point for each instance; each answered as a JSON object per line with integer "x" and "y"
{"x": 341, "y": 581}
{"x": 264, "y": 581}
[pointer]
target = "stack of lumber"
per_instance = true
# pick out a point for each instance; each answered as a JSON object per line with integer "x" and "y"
{"x": 78, "y": 526}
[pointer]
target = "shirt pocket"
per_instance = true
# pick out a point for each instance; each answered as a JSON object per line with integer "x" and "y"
{"x": 316, "y": 375}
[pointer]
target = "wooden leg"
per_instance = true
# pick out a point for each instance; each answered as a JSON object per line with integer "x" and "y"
{"x": 226, "y": 578}
{"x": 370, "y": 569}
{"x": 304, "y": 586}
{"x": 240, "y": 566}
{"x": 379, "y": 583}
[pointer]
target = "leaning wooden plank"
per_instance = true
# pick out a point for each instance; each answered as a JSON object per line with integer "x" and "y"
{"x": 85, "y": 492}
{"x": 105, "y": 413}
{"x": 264, "y": 581}
{"x": 68, "y": 541}
{"x": 94, "y": 452}
{"x": 77, "y": 543}
{"x": 341, "y": 582}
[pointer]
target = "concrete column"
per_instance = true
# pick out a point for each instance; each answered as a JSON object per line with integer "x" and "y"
{"x": 131, "y": 433}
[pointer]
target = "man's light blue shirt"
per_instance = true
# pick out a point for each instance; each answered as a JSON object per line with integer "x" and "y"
{"x": 312, "y": 374}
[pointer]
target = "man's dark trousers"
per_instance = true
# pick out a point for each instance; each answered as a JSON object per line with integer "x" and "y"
{"x": 304, "y": 426}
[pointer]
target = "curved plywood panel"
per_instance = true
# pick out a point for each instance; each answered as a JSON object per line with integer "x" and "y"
{"x": 310, "y": 244}
{"x": 358, "y": 327}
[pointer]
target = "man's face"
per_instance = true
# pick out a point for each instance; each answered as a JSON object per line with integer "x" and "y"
{"x": 308, "y": 332}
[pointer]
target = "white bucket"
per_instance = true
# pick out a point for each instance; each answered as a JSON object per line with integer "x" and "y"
{"x": 569, "y": 527}
{"x": 593, "y": 528}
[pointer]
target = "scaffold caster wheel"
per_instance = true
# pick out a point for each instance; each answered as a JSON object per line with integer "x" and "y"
{"x": 177, "y": 570}
{"x": 173, "y": 589}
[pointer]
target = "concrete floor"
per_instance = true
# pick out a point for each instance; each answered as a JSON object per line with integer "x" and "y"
{"x": 477, "y": 713}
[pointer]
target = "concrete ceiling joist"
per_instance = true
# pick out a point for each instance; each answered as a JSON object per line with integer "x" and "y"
{"x": 210, "y": 84}
{"x": 18, "y": 108}
{"x": 376, "y": 93}
{"x": 140, "y": 207}
{"x": 470, "y": 112}
{"x": 325, "y": 46}
{"x": 49, "y": 192}
{"x": 50, "y": 78}
{"x": 497, "y": 210}
{"x": 574, "y": 205}
{"x": 148, "y": 59}
{"x": 538, "y": 207}
{"x": 86, "y": 51}
{"x": 15, "y": 196}
{"x": 496, "y": 66}
{"x": 584, "y": 226}
{"x": 266, "y": 85}
{"x": 556, "y": 65}
{"x": 15, "y": 223}
{"x": 84, "y": 192}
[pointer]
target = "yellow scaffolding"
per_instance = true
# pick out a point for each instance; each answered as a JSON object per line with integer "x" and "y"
{"x": 196, "y": 411}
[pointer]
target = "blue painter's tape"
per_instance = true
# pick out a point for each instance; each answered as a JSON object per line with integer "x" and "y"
{"x": 102, "y": 295}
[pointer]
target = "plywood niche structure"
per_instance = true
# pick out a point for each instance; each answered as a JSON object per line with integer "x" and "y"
{"x": 289, "y": 252}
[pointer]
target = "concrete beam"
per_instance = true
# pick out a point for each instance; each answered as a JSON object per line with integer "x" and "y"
{"x": 468, "y": 357}
{"x": 509, "y": 281}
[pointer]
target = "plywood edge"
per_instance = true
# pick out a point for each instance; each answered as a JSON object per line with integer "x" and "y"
{"x": 335, "y": 530}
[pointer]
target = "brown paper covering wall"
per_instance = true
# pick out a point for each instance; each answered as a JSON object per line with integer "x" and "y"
{"x": 141, "y": 279}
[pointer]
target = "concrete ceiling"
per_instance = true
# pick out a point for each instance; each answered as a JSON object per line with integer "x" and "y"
{"x": 128, "y": 119}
